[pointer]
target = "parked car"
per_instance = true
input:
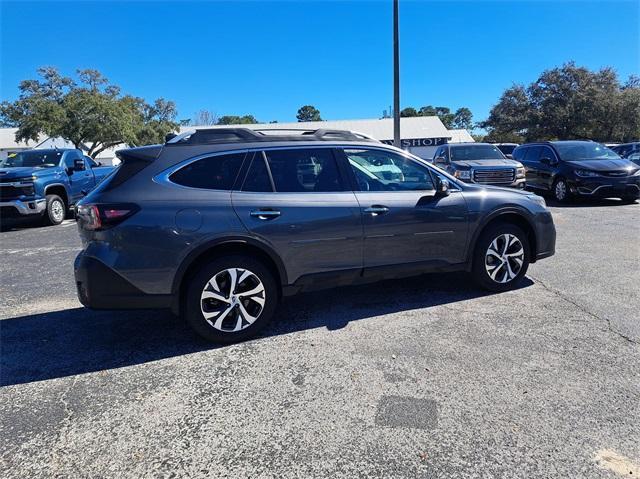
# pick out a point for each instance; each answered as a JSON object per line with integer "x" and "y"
{"x": 479, "y": 163}
{"x": 218, "y": 225}
{"x": 46, "y": 182}
{"x": 578, "y": 168}
{"x": 507, "y": 148}
{"x": 629, "y": 151}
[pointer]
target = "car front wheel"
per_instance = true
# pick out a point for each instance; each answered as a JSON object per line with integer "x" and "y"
{"x": 231, "y": 299}
{"x": 56, "y": 210}
{"x": 561, "y": 191}
{"x": 501, "y": 257}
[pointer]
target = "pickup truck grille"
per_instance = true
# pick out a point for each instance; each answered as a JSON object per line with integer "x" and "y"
{"x": 12, "y": 192}
{"x": 496, "y": 176}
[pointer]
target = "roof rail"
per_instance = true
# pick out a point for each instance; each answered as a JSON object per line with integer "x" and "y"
{"x": 246, "y": 135}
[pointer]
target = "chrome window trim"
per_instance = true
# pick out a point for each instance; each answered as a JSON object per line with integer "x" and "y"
{"x": 162, "y": 178}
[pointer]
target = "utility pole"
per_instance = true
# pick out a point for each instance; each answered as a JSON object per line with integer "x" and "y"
{"x": 396, "y": 78}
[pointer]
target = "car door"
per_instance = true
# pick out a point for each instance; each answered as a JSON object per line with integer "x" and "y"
{"x": 404, "y": 220}
{"x": 531, "y": 164}
{"x": 80, "y": 181}
{"x": 298, "y": 201}
{"x": 547, "y": 165}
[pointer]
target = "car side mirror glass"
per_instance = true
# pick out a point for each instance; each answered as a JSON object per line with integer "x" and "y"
{"x": 439, "y": 160}
{"x": 78, "y": 165}
{"x": 442, "y": 186}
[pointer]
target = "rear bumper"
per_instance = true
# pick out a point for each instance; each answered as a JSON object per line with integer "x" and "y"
{"x": 100, "y": 287}
{"x": 24, "y": 208}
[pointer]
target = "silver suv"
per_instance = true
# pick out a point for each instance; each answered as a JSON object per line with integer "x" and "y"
{"x": 219, "y": 224}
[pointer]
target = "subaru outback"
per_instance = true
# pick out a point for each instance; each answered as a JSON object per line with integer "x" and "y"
{"x": 219, "y": 224}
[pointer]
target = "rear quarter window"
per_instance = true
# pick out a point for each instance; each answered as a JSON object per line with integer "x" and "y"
{"x": 212, "y": 173}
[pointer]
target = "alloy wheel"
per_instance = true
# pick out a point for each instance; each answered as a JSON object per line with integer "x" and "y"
{"x": 57, "y": 210}
{"x": 504, "y": 258}
{"x": 232, "y": 300}
{"x": 561, "y": 190}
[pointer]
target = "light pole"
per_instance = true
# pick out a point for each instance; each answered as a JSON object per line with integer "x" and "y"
{"x": 396, "y": 78}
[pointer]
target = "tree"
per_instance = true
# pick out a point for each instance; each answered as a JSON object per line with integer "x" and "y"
{"x": 408, "y": 112}
{"x": 463, "y": 119}
{"x": 569, "y": 102}
{"x": 91, "y": 113}
{"x": 308, "y": 113}
{"x": 236, "y": 120}
{"x": 204, "y": 117}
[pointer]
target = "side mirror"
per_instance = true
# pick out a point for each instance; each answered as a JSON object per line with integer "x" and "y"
{"x": 78, "y": 165}
{"x": 442, "y": 186}
{"x": 439, "y": 160}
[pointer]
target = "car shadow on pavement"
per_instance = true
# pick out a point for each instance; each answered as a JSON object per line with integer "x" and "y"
{"x": 587, "y": 203}
{"x": 76, "y": 341}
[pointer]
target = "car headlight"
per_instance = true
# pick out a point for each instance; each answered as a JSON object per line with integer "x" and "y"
{"x": 462, "y": 174}
{"x": 520, "y": 172}
{"x": 586, "y": 173}
{"x": 538, "y": 200}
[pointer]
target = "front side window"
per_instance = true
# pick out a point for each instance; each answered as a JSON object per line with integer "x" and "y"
{"x": 377, "y": 170}
{"x": 519, "y": 153}
{"x": 212, "y": 173}
{"x": 304, "y": 170}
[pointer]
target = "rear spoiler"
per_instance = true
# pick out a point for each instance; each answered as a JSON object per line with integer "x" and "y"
{"x": 144, "y": 153}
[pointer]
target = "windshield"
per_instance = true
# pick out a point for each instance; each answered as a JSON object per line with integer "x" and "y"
{"x": 33, "y": 159}
{"x": 580, "y": 151}
{"x": 475, "y": 152}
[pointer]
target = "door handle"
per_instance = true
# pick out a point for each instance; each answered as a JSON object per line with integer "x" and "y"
{"x": 265, "y": 214}
{"x": 376, "y": 210}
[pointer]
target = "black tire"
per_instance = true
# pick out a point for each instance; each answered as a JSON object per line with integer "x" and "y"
{"x": 52, "y": 214}
{"x": 555, "y": 191}
{"x": 481, "y": 262}
{"x": 218, "y": 268}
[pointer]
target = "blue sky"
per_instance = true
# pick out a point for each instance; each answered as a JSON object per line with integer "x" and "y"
{"x": 269, "y": 58}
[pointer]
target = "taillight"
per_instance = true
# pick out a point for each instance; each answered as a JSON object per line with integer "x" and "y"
{"x": 104, "y": 216}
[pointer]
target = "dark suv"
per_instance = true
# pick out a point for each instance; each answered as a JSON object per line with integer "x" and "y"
{"x": 219, "y": 224}
{"x": 578, "y": 168}
{"x": 480, "y": 163}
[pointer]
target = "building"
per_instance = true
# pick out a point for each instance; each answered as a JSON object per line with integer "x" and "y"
{"x": 420, "y": 135}
{"x": 8, "y": 145}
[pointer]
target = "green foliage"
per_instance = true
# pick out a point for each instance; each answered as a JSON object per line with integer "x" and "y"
{"x": 408, "y": 112}
{"x": 566, "y": 103}
{"x": 91, "y": 113}
{"x": 308, "y": 113}
{"x": 237, "y": 120}
{"x": 462, "y": 118}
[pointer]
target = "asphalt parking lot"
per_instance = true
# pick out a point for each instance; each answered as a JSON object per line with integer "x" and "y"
{"x": 426, "y": 377}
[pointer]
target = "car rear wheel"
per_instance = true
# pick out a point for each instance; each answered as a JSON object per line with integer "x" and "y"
{"x": 501, "y": 257}
{"x": 231, "y": 299}
{"x": 56, "y": 210}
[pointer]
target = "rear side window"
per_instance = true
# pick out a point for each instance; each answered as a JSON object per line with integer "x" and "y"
{"x": 212, "y": 173}
{"x": 304, "y": 170}
{"x": 258, "y": 175}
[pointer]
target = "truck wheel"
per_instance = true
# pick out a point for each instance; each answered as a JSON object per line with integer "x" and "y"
{"x": 231, "y": 299}
{"x": 56, "y": 210}
{"x": 501, "y": 257}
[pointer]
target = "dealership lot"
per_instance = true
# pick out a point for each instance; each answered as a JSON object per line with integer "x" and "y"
{"x": 425, "y": 377}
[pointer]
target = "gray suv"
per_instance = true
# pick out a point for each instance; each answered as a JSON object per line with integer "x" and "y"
{"x": 219, "y": 224}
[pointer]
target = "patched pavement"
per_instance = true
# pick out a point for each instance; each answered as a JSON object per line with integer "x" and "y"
{"x": 426, "y": 377}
